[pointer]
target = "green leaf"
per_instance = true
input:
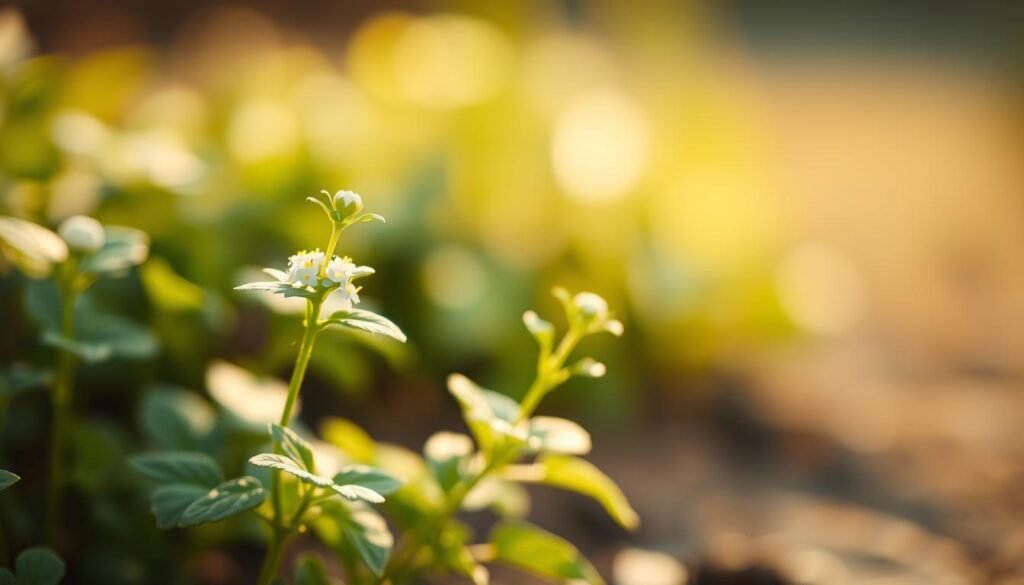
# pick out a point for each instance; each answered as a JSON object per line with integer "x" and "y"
{"x": 89, "y": 352}
{"x": 39, "y": 566}
{"x": 123, "y": 248}
{"x": 7, "y": 479}
{"x": 168, "y": 503}
{"x": 294, "y": 446}
{"x": 447, "y": 455}
{"x": 358, "y": 492}
{"x": 538, "y": 551}
{"x": 364, "y": 528}
{"x": 103, "y": 336}
{"x": 369, "y": 217}
{"x": 125, "y": 338}
{"x": 173, "y": 418}
{"x": 366, "y": 321}
{"x": 287, "y": 465}
{"x": 7, "y": 577}
{"x": 33, "y": 248}
{"x": 368, "y": 477}
{"x": 179, "y": 467}
{"x": 311, "y": 571}
{"x": 227, "y": 499}
{"x": 488, "y": 414}
{"x": 580, "y": 476}
{"x": 557, "y": 435}
{"x": 350, "y": 438}
{"x": 282, "y": 288}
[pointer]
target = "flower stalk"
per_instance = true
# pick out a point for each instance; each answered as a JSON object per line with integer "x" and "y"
{"x": 315, "y": 276}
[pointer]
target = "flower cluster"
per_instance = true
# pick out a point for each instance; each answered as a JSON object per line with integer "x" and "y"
{"x": 305, "y": 269}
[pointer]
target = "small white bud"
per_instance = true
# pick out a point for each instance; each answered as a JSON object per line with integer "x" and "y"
{"x": 348, "y": 203}
{"x": 82, "y": 234}
{"x": 589, "y": 368}
{"x": 590, "y": 305}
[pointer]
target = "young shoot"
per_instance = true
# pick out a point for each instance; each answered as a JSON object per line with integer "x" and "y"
{"x": 193, "y": 489}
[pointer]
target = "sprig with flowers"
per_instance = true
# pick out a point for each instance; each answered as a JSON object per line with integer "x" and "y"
{"x": 192, "y": 487}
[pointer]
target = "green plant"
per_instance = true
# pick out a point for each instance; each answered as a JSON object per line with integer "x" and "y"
{"x": 76, "y": 256}
{"x": 460, "y": 475}
{"x": 192, "y": 489}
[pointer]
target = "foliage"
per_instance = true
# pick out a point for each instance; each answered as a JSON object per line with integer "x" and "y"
{"x": 290, "y": 482}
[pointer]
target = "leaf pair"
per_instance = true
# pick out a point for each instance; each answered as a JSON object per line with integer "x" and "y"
{"x": 193, "y": 490}
{"x": 354, "y": 482}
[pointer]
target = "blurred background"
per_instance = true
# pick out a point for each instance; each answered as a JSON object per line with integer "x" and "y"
{"x": 810, "y": 217}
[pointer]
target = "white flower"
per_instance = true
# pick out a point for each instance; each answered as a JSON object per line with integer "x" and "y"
{"x": 304, "y": 267}
{"x": 591, "y": 306}
{"x": 339, "y": 270}
{"x": 348, "y": 203}
{"x": 82, "y": 233}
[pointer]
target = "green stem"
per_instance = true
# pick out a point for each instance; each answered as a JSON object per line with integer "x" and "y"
{"x": 302, "y": 362}
{"x": 546, "y": 370}
{"x": 272, "y": 561}
{"x": 331, "y": 245}
{"x": 63, "y": 386}
{"x": 281, "y": 532}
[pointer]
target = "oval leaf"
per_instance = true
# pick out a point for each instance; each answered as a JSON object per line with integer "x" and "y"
{"x": 39, "y": 566}
{"x": 285, "y": 464}
{"x": 358, "y": 492}
{"x": 538, "y": 551}
{"x": 168, "y": 503}
{"x": 366, "y": 321}
{"x": 580, "y": 476}
{"x": 227, "y": 499}
{"x": 368, "y": 477}
{"x": 363, "y": 528}
{"x": 179, "y": 467}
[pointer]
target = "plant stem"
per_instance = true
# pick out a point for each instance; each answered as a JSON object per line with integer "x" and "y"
{"x": 62, "y": 392}
{"x": 331, "y": 245}
{"x": 273, "y": 559}
{"x": 305, "y": 352}
{"x": 546, "y": 370}
{"x": 281, "y": 531}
